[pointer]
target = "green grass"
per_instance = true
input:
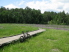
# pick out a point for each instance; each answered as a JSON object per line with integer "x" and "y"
{"x": 49, "y": 41}
{"x": 14, "y": 29}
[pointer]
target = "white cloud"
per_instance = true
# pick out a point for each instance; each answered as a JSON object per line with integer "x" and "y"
{"x": 37, "y": 5}
{"x": 53, "y": 5}
{"x": 44, "y": 5}
{"x": 66, "y": 7}
{"x": 21, "y": 2}
{"x": 11, "y": 6}
{"x": 64, "y": 1}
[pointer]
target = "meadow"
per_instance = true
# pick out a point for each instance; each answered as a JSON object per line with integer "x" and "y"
{"x": 14, "y": 29}
{"x": 51, "y": 40}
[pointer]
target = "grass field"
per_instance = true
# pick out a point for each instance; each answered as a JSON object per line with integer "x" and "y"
{"x": 58, "y": 27}
{"x": 14, "y": 29}
{"x": 49, "y": 41}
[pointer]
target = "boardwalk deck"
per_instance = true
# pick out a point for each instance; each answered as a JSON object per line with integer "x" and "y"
{"x": 14, "y": 38}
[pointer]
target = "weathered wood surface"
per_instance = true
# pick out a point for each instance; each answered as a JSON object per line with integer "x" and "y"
{"x": 14, "y": 38}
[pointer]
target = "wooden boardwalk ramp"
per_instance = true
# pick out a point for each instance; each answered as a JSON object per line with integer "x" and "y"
{"x": 7, "y": 40}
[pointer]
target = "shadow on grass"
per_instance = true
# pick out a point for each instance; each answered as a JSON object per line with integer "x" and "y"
{"x": 18, "y": 41}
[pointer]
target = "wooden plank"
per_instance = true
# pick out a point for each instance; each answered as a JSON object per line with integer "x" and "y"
{"x": 10, "y": 39}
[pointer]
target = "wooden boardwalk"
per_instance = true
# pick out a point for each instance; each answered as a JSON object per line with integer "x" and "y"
{"x": 14, "y": 38}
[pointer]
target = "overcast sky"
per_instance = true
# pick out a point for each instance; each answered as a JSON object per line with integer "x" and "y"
{"x": 43, "y": 5}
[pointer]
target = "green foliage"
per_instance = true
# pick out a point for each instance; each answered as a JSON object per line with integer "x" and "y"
{"x": 32, "y": 16}
{"x": 49, "y": 41}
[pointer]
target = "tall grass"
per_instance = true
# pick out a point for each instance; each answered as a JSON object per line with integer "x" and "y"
{"x": 14, "y": 29}
{"x": 49, "y": 41}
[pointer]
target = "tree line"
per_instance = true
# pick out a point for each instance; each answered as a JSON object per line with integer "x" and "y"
{"x": 32, "y": 16}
